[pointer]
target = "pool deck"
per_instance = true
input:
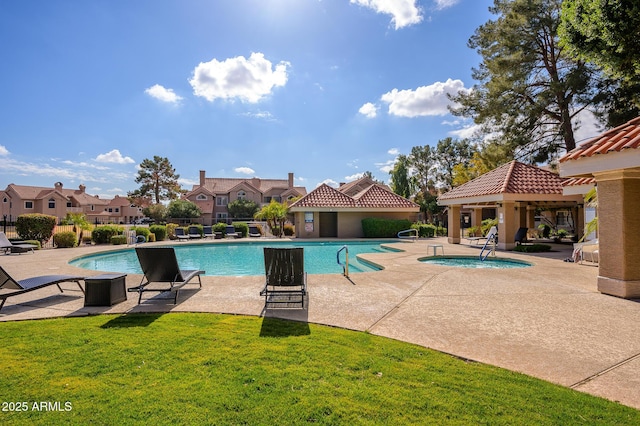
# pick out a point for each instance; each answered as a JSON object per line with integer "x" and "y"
{"x": 547, "y": 321}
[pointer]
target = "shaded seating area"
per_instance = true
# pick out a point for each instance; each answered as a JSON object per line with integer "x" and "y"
{"x": 31, "y": 284}
{"x": 10, "y": 247}
{"x": 162, "y": 273}
{"x": 286, "y": 279}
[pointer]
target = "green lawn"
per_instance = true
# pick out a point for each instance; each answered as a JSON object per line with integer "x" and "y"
{"x": 223, "y": 369}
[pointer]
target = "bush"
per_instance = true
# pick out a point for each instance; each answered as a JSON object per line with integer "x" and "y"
{"x": 487, "y": 224}
{"x": 103, "y": 234}
{"x": 160, "y": 232}
{"x": 383, "y": 228}
{"x": 441, "y": 231}
{"x": 142, "y": 231}
{"x": 545, "y": 230}
{"x": 242, "y": 228}
{"x": 118, "y": 239}
{"x": 35, "y": 226}
{"x": 65, "y": 239}
{"x": 171, "y": 230}
{"x": 425, "y": 230}
{"x": 220, "y": 227}
{"x": 151, "y": 238}
{"x": 533, "y": 248}
{"x": 289, "y": 230}
{"x": 474, "y": 231}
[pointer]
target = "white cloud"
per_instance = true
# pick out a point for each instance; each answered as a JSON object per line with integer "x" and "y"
{"x": 163, "y": 94}
{"x": 387, "y": 166}
{"x": 424, "y": 101}
{"x": 403, "y": 12}
{"x": 114, "y": 156}
{"x": 188, "y": 182}
{"x": 263, "y": 115}
{"x": 244, "y": 170}
{"x": 329, "y": 182}
{"x": 354, "y": 177}
{"x": 369, "y": 110}
{"x": 238, "y": 78}
{"x": 3, "y": 150}
{"x": 443, "y": 4}
{"x": 393, "y": 151}
{"x": 587, "y": 126}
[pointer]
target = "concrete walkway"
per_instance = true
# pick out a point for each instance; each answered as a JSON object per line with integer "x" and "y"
{"x": 546, "y": 321}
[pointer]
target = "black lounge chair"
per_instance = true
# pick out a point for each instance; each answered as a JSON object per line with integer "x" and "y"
{"x": 160, "y": 265}
{"x": 10, "y": 247}
{"x": 521, "y": 236}
{"x": 208, "y": 231}
{"x": 230, "y": 231}
{"x": 31, "y": 284}
{"x": 194, "y": 232}
{"x": 181, "y": 235}
{"x": 254, "y": 231}
{"x": 286, "y": 280}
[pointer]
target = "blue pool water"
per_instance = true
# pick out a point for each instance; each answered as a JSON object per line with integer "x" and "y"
{"x": 475, "y": 262}
{"x": 239, "y": 259}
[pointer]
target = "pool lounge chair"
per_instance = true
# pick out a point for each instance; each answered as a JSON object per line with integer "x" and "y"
{"x": 181, "y": 235}
{"x": 10, "y": 247}
{"x": 208, "y": 232}
{"x": 254, "y": 231}
{"x": 230, "y": 232}
{"x": 286, "y": 280}
{"x": 160, "y": 265}
{"x": 521, "y": 236}
{"x": 194, "y": 232}
{"x": 31, "y": 284}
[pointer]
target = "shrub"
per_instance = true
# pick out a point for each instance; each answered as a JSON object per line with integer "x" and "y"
{"x": 220, "y": 227}
{"x": 441, "y": 231}
{"x": 425, "y": 230}
{"x": 487, "y": 224}
{"x": 142, "y": 231}
{"x": 118, "y": 239}
{"x": 383, "y": 228}
{"x": 545, "y": 230}
{"x": 171, "y": 230}
{"x": 533, "y": 248}
{"x": 242, "y": 228}
{"x": 151, "y": 238}
{"x": 474, "y": 231}
{"x": 35, "y": 226}
{"x": 103, "y": 234}
{"x": 160, "y": 232}
{"x": 289, "y": 230}
{"x": 65, "y": 239}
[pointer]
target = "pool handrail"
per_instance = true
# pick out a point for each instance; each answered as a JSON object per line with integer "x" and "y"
{"x": 345, "y": 267}
{"x": 408, "y": 236}
{"x": 492, "y": 236}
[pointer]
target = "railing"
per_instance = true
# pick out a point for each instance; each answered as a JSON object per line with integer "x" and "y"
{"x": 492, "y": 236}
{"x": 345, "y": 266}
{"x": 406, "y": 234}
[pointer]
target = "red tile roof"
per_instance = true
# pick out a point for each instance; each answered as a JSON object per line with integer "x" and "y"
{"x": 379, "y": 196}
{"x": 626, "y": 136}
{"x": 579, "y": 181}
{"x": 510, "y": 178}
{"x": 325, "y": 196}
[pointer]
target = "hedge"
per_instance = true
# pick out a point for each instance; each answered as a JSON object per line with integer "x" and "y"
{"x": 35, "y": 226}
{"x": 65, "y": 239}
{"x": 384, "y": 228}
{"x": 103, "y": 234}
{"x": 160, "y": 231}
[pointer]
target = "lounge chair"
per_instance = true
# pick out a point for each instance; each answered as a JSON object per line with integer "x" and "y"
{"x": 31, "y": 284}
{"x": 181, "y": 235}
{"x": 10, "y": 247}
{"x": 586, "y": 251}
{"x": 286, "y": 280}
{"x": 254, "y": 231}
{"x": 521, "y": 236}
{"x": 160, "y": 265}
{"x": 208, "y": 232}
{"x": 230, "y": 231}
{"x": 194, "y": 232}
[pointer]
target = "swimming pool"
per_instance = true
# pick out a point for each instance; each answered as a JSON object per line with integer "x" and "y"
{"x": 475, "y": 262}
{"x": 242, "y": 258}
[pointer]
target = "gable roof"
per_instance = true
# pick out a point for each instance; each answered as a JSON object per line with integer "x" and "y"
{"x": 513, "y": 180}
{"x": 626, "y": 136}
{"x": 226, "y": 185}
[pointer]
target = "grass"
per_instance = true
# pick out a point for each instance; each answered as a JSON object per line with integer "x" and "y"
{"x": 222, "y": 369}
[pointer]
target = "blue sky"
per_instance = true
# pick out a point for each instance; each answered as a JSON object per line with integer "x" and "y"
{"x": 326, "y": 89}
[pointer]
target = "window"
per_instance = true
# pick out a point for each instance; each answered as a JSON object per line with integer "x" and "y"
{"x": 221, "y": 217}
{"x": 242, "y": 195}
{"x": 52, "y": 203}
{"x": 93, "y": 207}
{"x": 110, "y": 210}
{"x": 28, "y": 204}
{"x": 222, "y": 200}
{"x": 117, "y": 209}
{"x": 201, "y": 197}
{"x": 4, "y": 200}
{"x": 69, "y": 204}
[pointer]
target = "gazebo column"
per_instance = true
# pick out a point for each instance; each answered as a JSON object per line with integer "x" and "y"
{"x": 619, "y": 228}
{"x": 578, "y": 219}
{"x": 476, "y": 217}
{"x": 507, "y": 225}
{"x": 531, "y": 217}
{"x": 453, "y": 216}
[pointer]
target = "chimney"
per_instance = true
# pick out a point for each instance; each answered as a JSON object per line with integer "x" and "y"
{"x": 58, "y": 185}
{"x": 290, "y": 180}
{"x": 82, "y": 188}
{"x": 201, "y": 177}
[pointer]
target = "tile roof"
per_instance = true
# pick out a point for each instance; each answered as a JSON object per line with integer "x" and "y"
{"x": 225, "y": 185}
{"x": 579, "y": 181}
{"x": 325, "y": 196}
{"x": 510, "y": 178}
{"x": 379, "y": 196}
{"x": 626, "y": 136}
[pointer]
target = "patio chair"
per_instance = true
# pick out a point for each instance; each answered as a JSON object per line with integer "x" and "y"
{"x": 521, "y": 236}
{"x": 181, "y": 235}
{"x": 208, "y": 231}
{"x": 586, "y": 251}
{"x": 31, "y": 284}
{"x": 254, "y": 231}
{"x": 286, "y": 280}
{"x": 230, "y": 231}
{"x": 10, "y": 247}
{"x": 194, "y": 232}
{"x": 160, "y": 265}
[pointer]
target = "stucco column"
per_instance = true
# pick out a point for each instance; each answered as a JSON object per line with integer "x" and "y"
{"x": 619, "y": 233}
{"x": 476, "y": 217}
{"x": 507, "y": 226}
{"x": 578, "y": 219}
{"x": 531, "y": 217}
{"x": 453, "y": 232}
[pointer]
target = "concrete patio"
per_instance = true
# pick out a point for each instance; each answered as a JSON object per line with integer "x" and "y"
{"x": 547, "y": 321}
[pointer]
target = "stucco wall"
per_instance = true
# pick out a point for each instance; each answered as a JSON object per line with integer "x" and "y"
{"x": 349, "y": 223}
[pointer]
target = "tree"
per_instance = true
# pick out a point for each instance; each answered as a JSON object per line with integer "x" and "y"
{"x": 183, "y": 209}
{"x": 492, "y": 156}
{"x": 529, "y": 89}
{"x": 159, "y": 182}
{"x": 275, "y": 214}
{"x": 241, "y": 209}
{"x": 157, "y": 212}
{"x": 450, "y": 153}
{"x": 422, "y": 161}
{"x": 401, "y": 182}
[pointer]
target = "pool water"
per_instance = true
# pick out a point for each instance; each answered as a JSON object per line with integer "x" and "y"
{"x": 240, "y": 259}
{"x": 475, "y": 262}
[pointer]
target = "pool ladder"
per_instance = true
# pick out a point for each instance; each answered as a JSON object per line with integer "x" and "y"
{"x": 409, "y": 234}
{"x": 492, "y": 238}
{"x": 345, "y": 266}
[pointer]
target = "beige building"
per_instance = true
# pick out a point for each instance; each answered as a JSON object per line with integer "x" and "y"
{"x": 212, "y": 195}
{"x": 57, "y": 201}
{"x": 328, "y": 212}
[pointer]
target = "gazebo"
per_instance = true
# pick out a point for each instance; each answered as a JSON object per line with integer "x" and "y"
{"x": 515, "y": 190}
{"x": 613, "y": 159}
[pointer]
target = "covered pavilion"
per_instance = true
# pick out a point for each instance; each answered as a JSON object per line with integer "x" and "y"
{"x": 515, "y": 190}
{"x": 613, "y": 159}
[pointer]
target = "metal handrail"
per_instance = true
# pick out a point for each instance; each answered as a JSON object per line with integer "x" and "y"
{"x": 491, "y": 238}
{"x": 413, "y": 237}
{"x": 345, "y": 267}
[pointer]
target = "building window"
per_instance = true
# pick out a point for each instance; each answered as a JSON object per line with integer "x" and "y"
{"x": 117, "y": 209}
{"x": 221, "y": 217}
{"x": 110, "y": 210}
{"x": 201, "y": 197}
{"x": 69, "y": 204}
{"x": 242, "y": 195}
{"x": 4, "y": 200}
{"x": 222, "y": 200}
{"x": 92, "y": 208}
{"x": 28, "y": 204}
{"x": 52, "y": 203}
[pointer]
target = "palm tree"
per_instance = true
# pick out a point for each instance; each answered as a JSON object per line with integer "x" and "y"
{"x": 275, "y": 214}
